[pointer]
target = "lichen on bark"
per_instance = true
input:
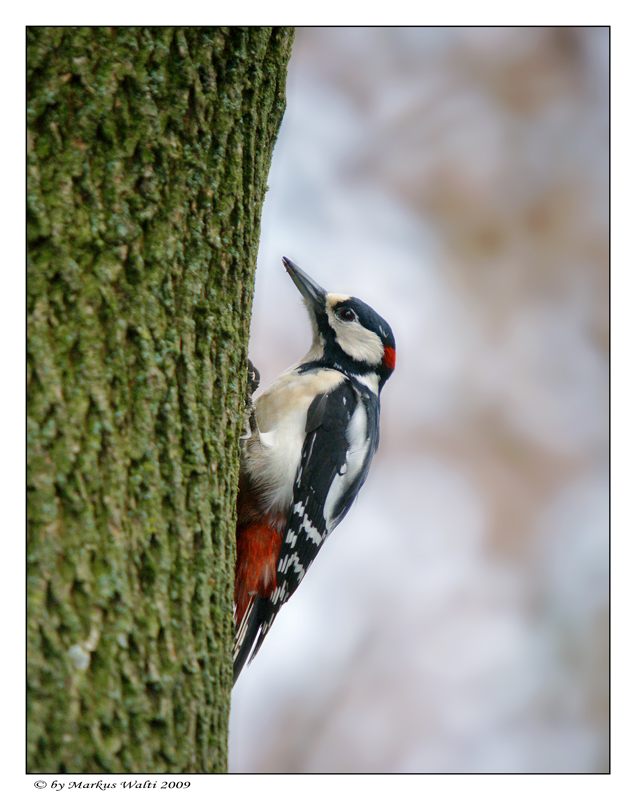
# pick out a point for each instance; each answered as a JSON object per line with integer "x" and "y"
{"x": 148, "y": 151}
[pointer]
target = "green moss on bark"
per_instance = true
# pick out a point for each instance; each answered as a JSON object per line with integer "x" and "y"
{"x": 148, "y": 153}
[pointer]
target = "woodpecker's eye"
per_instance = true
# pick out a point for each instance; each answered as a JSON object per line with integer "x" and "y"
{"x": 346, "y": 314}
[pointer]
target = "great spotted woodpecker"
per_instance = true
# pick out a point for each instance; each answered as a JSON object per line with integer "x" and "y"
{"x": 307, "y": 452}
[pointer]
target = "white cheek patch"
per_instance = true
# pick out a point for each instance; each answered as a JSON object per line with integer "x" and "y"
{"x": 356, "y": 340}
{"x": 359, "y": 343}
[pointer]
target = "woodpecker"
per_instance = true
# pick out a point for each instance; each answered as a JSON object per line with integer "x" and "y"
{"x": 306, "y": 452}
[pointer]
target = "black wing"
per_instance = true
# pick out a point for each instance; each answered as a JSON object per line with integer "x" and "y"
{"x": 342, "y": 434}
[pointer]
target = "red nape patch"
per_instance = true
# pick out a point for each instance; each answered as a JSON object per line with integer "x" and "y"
{"x": 389, "y": 358}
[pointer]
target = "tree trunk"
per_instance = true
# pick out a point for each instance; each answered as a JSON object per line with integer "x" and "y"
{"x": 148, "y": 153}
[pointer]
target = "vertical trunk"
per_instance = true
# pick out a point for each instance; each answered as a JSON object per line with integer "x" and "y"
{"x": 148, "y": 153}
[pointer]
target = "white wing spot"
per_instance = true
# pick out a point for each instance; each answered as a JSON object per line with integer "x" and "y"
{"x": 312, "y": 532}
{"x": 280, "y": 593}
{"x": 292, "y": 560}
{"x": 354, "y": 463}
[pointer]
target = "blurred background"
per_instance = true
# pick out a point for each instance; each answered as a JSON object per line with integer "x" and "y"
{"x": 456, "y": 179}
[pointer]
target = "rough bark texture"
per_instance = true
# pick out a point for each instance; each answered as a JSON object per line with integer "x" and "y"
{"x": 148, "y": 153}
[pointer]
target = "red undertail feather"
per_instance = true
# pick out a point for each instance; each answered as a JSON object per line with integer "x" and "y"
{"x": 257, "y": 547}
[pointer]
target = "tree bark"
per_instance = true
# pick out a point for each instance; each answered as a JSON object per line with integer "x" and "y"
{"x": 148, "y": 152}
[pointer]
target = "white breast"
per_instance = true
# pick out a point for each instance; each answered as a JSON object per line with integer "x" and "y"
{"x": 281, "y": 412}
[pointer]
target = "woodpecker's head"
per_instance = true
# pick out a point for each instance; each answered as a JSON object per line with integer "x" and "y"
{"x": 348, "y": 334}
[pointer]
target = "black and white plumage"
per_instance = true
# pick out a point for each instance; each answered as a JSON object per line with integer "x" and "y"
{"x": 307, "y": 455}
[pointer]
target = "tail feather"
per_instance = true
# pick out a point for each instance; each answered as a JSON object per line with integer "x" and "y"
{"x": 247, "y": 631}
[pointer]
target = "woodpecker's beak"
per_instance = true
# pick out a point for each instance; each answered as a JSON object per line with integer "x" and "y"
{"x": 310, "y": 290}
